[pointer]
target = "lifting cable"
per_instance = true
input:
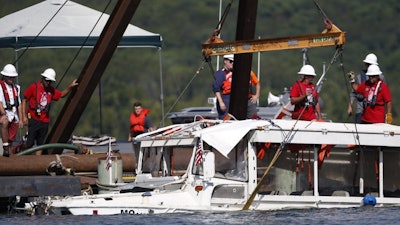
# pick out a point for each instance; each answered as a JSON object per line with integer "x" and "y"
{"x": 206, "y": 60}
{"x": 326, "y": 20}
{"x": 83, "y": 44}
{"x": 217, "y": 32}
{"x": 338, "y": 52}
{"x": 328, "y": 23}
{"x": 184, "y": 90}
{"x": 34, "y": 39}
{"x": 81, "y": 47}
{"x": 348, "y": 94}
{"x": 223, "y": 18}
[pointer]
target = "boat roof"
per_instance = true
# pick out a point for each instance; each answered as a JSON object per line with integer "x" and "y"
{"x": 224, "y": 135}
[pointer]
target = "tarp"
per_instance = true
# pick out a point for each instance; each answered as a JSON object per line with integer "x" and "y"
{"x": 68, "y": 28}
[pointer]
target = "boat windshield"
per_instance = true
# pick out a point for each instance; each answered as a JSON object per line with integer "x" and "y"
{"x": 162, "y": 161}
{"x": 232, "y": 168}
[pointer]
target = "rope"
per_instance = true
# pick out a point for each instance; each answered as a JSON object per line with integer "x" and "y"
{"x": 187, "y": 86}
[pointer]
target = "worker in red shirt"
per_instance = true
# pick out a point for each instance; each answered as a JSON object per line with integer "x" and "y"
{"x": 36, "y": 106}
{"x": 376, "y": 97}
{"x": 304, "y": 97}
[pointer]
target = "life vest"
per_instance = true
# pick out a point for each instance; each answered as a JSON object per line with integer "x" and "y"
{"x": 7, "y": 96}
{"x": 227, "y": 83}
{"x": 313, "y": 100}
{"x": 137, "y": 121}
{"x": 42, "y": 100}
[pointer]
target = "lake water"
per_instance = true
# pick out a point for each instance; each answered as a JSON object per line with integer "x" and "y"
{"x": 363, "y": 215}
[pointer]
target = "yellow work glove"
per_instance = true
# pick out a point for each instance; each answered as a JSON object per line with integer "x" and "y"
{"x": 352, "y": 77}
{"x": 389, "y": 118}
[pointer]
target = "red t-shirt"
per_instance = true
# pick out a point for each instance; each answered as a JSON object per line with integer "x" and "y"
{"x": 39, "y": 100}
{"x": 374, "y": 114}
{"x": 300, "y": 88}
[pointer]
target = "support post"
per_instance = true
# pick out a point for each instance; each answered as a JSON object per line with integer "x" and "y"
{"x": 245, "y": 30}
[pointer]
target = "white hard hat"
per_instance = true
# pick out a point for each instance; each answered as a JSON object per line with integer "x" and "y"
{"x": 229, "y": 57}
{"x": 373, "y": 70}
{"x": 9, "y": 71}
{"x": 307, "y": 70}
{"x": 371, "y": 59}
{"x": 49, "y": 74}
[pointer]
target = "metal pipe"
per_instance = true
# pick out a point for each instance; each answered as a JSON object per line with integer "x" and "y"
{"x": 46, "y": 146}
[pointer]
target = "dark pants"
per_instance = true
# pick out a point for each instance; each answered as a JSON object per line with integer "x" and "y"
{"x": 226, "y": 100}
{"x": 251, "y": 110}
{"x": 37, "y": 131}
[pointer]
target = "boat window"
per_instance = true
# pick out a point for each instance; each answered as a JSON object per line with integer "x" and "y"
{"x": 152, "y": 161}
{"x": 233, "y": 167}
{"x": 166, "y": 161}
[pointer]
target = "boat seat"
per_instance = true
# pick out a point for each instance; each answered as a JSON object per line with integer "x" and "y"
{"x": 148, "y": 181}
{"x": 307, "y": 193}
{"x": 375, "y": 194}
{"x": 341, "y": 193}
{"x": 278, "y": 193}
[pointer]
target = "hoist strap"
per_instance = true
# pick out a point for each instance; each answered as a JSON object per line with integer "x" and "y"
{"x": 222, "y": 20}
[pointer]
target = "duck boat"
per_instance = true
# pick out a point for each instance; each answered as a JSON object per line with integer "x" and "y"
{"x": 254, "y": 165}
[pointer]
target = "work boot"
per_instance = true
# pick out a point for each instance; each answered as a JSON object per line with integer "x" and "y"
{"x": 6, "y": 153}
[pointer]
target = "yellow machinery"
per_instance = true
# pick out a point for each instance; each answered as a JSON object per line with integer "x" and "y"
{"x": 332, "y": 35}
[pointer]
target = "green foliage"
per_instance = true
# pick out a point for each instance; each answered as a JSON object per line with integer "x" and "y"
{"x": 133, "y": 73}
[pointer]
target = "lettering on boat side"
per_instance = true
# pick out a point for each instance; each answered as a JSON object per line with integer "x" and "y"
{"x": 137, "y": 211}
{"x": 131, "y": 211}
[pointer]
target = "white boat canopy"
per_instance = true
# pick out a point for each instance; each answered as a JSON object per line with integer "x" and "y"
{"x": 69, "y": 28}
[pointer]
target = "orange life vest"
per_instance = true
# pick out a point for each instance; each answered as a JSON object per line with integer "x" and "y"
{"x": 137, "y": 121}
{"x": 227, "y": 83}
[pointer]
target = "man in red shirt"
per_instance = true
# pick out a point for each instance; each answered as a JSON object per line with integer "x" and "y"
{"x": 304, "y": 97}
{"x": 375, "y": 95}
{"x": 36, "y": 106}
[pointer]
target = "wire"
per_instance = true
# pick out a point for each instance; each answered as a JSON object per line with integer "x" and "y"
{"x": 34, "y": 39}
{"x": 184, "y": 90}
{"x": 326, "y": 20}
{"x": 83, "y": 44}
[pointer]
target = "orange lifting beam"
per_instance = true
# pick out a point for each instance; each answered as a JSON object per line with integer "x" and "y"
{"x": 214, "y": 46}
